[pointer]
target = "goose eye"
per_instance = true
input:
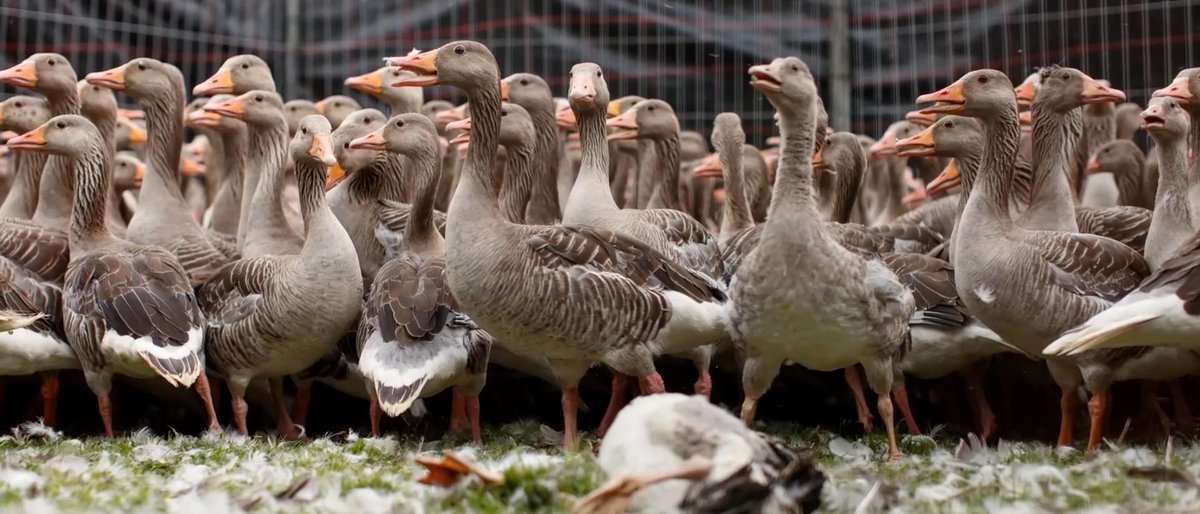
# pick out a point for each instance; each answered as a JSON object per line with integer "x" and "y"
{"x": 245, "y": 66}
{"x": 60, "y": 125}
{"x": 258, "y": 99}
{"x": 1066, "y": 76}
{"x": 346, "y": 145}
{"x": 598, "y": 73}
{"x": 396, "y": 73}
{"x": 399, "y": 123}
{"x": 650, "y": 108}
{"x": 17, "y": 105}
{"x": 141, "y": 66}
{"x": 949, "y": 124}
{"x": 982, "y": 79}
{"x": 304, "y": 130}
{"x": 95, "y": 88}
{"x": 366, "y": 121}
{"x": 524, "y": 82}
{"x": 460, "y": 49}
{"x": 795, "y": 68}
{"x": 504, "y": 113}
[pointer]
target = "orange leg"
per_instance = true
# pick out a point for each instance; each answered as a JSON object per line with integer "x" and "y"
{"x": 900, "y": 395}
{"x": 239, "y": 412}
{"x": 1066, "y": 428}
{"x": 49, "y": 398}
{"x": 205, "y": 392}
{"x": 1183, "y": 414}
{"x": 616, "y": 401}
{"x": 472, "y": 402}
{"x": 860, "y": 398}
{"x": 376, "y": 413}
{"x": 301, "y": 404}
{"x": 106, "y": 411}
{"x": 1098, "y": 408}
{"x": 570, "y": 404}
{"x": 979, "y": 403}
{"x": 749, "y": 407}
{"x": 885, "y": 411}
{"x": 285, "y": 428}
{"x": 703, "y": 385}
{"x": 458, "y": 410}
{"x": 652, "y": 383}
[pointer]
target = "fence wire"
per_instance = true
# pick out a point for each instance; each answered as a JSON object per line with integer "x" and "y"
{"x": 692, "y": 53}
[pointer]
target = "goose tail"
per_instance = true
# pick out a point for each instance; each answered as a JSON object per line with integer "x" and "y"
{"x": 1094, "y": 335}
{"x": 397, "y": 392}
{"x": 178, "y": 370}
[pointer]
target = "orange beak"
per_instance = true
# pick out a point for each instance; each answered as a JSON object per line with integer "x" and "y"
{"x": 219, "y": 83}
{"x": 1026, "y": 120}
{"x": 232, "y": 108}
{"x": 885, "y": 146}
{"x": 112, "y": 79}
{"x": 504, "y": 90}
{"x": 1177, "y": 90}
{"x": 1152, "y": 118}
{"x": 921, "y": 118}
{"x": 34, "y": 140}
{"x": 137, "y": 134}
{"x": 948, "y": 100}
{"x": 1096, "y": 93}
{"x": 1093, "y": 165}
{"x": 139, "y": 173}
{"x": 21, "y": 75}
{"x": 423, "y": 64}
{"x": 464, "y": 126}
{"x": 915, "y": 198}
{"x": 191, "y": 168}
{"x": 719, "y": 194}
{"x": 1025, "y": 93}
{"x": 818, "y": 160}
{"x": 131, "y": 114}
{"x": 947, "y": 179}
{"x": 373, "y": 141}
{"x": 625, "y": 126}
{"x": 710, "y": 167}
{"x": 370, "y": 83}
{"x": 565, "y": 119}
{"x": 774, "y": 141}
{"x": 920, "y": 145}
{"x": 321, "y": 105}
{"x": 203, "y": 118}
{"x": 614, "y": 110}
{"x": 763, "y": 79}
{"x": 449, "y": 116}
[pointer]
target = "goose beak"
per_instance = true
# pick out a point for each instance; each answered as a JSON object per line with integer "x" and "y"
{"x": 774, "y": 141}
{"x": 34, "y": 140}
{"x": 219, "y": 83}
{"x": 1152, "y": 118}
{"x": 625, "y": 126}
{"x": 21, "y": 75}
{"x": 915, "y": 198}
{"x": 203, "y": 118}
{"x": 373, "y": 141}
{"x": 131, "y": 114}
{"x": 112, "y": 79}
{"x": 582, "y": 92}
{"x": 1025, "y": 118}
{"x": 504, "y": 90}
{"x": 818, "y": 160}
{"x": 921, "y": 118}
{"x": 719, "y": 194}
{"x": 919, "y": 145}
{"x": 948, "y": 100}
{"x": 565, "y": 119}
{"x": 1093, "y": 165}
{"x": 464, "y": 126}
{"x": 139, "y": 173}
{"x": 614, "y": 110}
{"x": 1096, "y": 93}
{"x": 422, "y": 64}
{"x": 947, "y": 179}
{"x": 1025, "y": 93}
{"x": 137, "y": 134}
{"x": 449, "y": 116}
{"x": 321, "y": 106}
{"x": 710, "y": 167}
{"x": 764, "y": 79}
{"x": 1177, "y": 90}
{"x": 232, "y": 108}
{"x": 370, "y": 83}
{"x": 885, "y": 146}
{"x": 191, "y": 168}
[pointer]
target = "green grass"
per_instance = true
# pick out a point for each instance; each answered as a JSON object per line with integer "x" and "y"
{"x": 143, "y": 472}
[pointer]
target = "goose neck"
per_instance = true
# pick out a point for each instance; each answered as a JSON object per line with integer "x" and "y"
{"x": 91, "y": 188}
{"x": 994, "y": 184}
{"x": 267, "y": 156}
{"x": 518, "y": 182}
{"x": 477, "y": 194}
{"x": 667, "y": 149}
{"x": 22, "y": 199}
{"x": 1055, "y": 136}
{"x": 164, "y": 124}
{"x": 421, "y": 234}
{"x": 736, "y": 211}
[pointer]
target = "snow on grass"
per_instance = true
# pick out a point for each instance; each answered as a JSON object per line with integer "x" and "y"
{"x": 42, "y": 471}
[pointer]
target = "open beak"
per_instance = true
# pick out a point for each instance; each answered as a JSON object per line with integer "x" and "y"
{"x": 948, "y": 100}
{"x": 370, "y": 83}
{"x": 1093, "y": 165}
{"x": 885, "y": 146}
{"x": 565, "y": 119}
{"x": 21, "y": 75}
{"x": 1025, "y": 93}
{"x": 34, "y": 140}
{"x": 191, "y": 168}
{"x": 625, "y": 126}
{"x": 1096, "y": 93}
{"x": 1177, "y": 90}
{"x": 373, "y": 141}
{"x": 423, "y": 64}
{"x": 112, "y": 79}
{"x": 1152, "y": 118}
{"x": 219, "y": 83}
{"x": 921, "y": 118}
{"x": 504, "y": 90}
{"x": 710, "y": 167}
{"x": 765, "y": 80}
{"x": 139, "y": 173}
{"x": 137, "y": 134}
{"x": 203, "y": 118}
{"x": 946, "y": 180}
{"x": 233, "y": 108}
{"x": 464, "y": 128}
{"x": 919, "y": 145}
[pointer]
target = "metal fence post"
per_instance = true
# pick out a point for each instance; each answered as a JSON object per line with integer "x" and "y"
{"x": 291, "y": 52}
{"x": 839, "y": 66}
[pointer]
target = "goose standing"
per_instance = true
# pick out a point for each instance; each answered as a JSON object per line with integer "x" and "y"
{"x": 127, "y": 308}
{"x": 225, "y": 213}
{"x": 21, "y": 114}
{"x": 413, "y": 341}
{"x": 751, "y": 173}
{"x": 263, "y": 323}
{"x": 533, "y": 94}
{"x": 538, "y": 288}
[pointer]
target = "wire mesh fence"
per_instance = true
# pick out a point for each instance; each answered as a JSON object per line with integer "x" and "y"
{"x": 871, "y": 57}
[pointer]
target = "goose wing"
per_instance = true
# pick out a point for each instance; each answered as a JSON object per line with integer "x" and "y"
{"x": 1090, "y": 265}
{"x": 1123, "y": 223}
{"x": 41, "y": 250}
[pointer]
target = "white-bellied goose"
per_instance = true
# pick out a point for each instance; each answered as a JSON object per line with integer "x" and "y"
{"x": 378, "y": 83}
{"x": 224, "y": 215}
{"x": 856, "y": 310}
{"x": 262, "y": 320}
{"x": 127, "y": 308}
{"x": 413, "y": 340}
{"x": 671, "y": 453}
{"x": 562, "y": 277}
{"x": 21, "y": 114}
{"x": 162, "y": 217}
{"x": 336, "y": 108}
{"x": 533, "y": 94}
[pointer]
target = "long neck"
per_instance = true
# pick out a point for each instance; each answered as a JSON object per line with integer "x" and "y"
{"x": 267, "y": 154}
{"x": 22, "y": 199}
{"x": 545, "y": 182}
{"x": 403, "y": 105}
{"x": 792, "y": 194}
{"x": 1129, "y": 183}
{"x": 994, "y": 185}
{"x": 214, "y": 174}
{"x": 591, "y": 195}
{"x": 421, "y": 235}
{"x": 105, "y": 121}
{"x": 164, "y": 123}
{"x": 382, "y": 179}
{"x": 1099, "y": 127}
{"x": 668, "y": 169}
{"x": 849, "y": 182}
{"x": 518, "y": 182}
{"x": 735, "y": 214}
{"x": 1173, "y": 179}
{"x": 54, "y": 190}
{"x": 647, "y": 169}
{"x": 477, "y": 194}
{"x": 1055, "y": 135}
{"x": 1194, "y": 143}
{"x": 91, "y": 187}
{"x": 321, "y": 227}
{"x": 233, "y": 162}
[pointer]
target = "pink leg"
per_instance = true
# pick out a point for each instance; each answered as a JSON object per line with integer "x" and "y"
{"x": 106, "y": 410}
{"x": 1066, "y": 427}
{"x": 205, "y": 392}
{"x": 472, "y": 402}
{"x": 286, "y": 428}
{"x": 49, "y": 398}
{"x": 979, "y": 403}
{"x": 901, "y": 396}
{"x": 616, "y": 400}
{"x": 1183, "y": 414}
{"x": 376, "y": 413}
{"x": 652, "y": 383}
{"x": 458, "y": 410}
{"x": 860, "y": 398}
{"x": 1098, "y": 408}
{"x": 703, "y": 385}
{"x": 570, "y": 405}
{"x": 301, "y": 403}
{"x": 239, "y": 412}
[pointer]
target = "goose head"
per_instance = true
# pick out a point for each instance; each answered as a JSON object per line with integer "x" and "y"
{"x": 842, "y": 152}
{"x": 409, "y": 134}
{"x": 198, "y": 117}
{"x": 1064, "y": 89}
{"x": 96, "y": 102}
{"x": 886, "y": 145}
{"x": 336, "y": 108}
{"x": 263, "y": 109}
{"x": 1117, "y": 156}
{"x": 142, "y": 78}
{"x": 23, "y": 113}
{"x": 649, "y": 119}
{"x": 1165, "y": 119}
{"x": 47, "y": 73}
{"x": 588, "y": 91}
{"x": 69, "y": 135}
{"x": 787, "y": 83}
{"x": 237, "y": 75}
{"x": 296, "y": 110}
{"x": 978, "y": 93}
{"x": 950, "y": 136}
{"x": 381, "y": 84}
{"x": 1028, "y": 89}
{"x": 311, "y": 144}
{"x": 526, "y": 89}
{"x": 463, "y": 64}
{"x": 356, "y": 125}
{"x": 131, "y": 133}
{"x": 128, "y": 171}
{"x": 1185, "y": 89}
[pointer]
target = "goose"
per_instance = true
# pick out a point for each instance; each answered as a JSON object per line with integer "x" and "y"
{"x": 1066, "y": 277}
{"x": 127, "y": 308}
{"x": 1124, "y": 163}
{"x": 224, "y": 215}
{"x": 490, "y": 262}
{"x": 296, "y": 110}
{"x": 336, "y": 108}
{"x": 262, "y": 321}
{"x": 1185, "y": 89}
{"x": 414, "y": 342}
{"x": 21, "y": 114}
{"x": 131, "y": 136}
{"x": 518, "y": 178}
{"x": 674, "y": 453}
{"x": 237, "y": 75}
{"x": 533, "y": 94}
{"x": 378, "y": 83}
{"x": 1098, "y": 124}
{"x": 752, "y": 169}
{"x": 162, "y": 218}
{"x": 857, "y": 310}
{"x": 210, "y": 148}
{"x": 99, "y": 106}
{"x": 883, "y": 192}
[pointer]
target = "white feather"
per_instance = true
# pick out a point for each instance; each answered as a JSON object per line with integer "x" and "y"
{"x": 24, "y": 351}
